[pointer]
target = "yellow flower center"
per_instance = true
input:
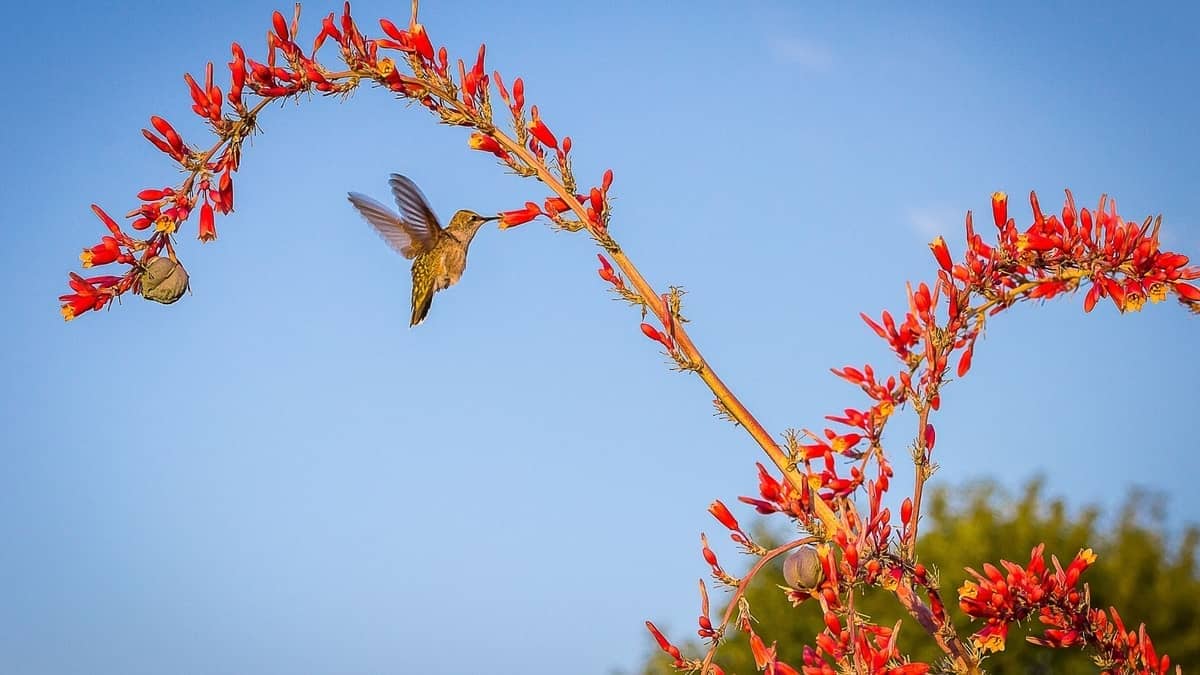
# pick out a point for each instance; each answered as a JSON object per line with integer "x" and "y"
{"x": 990, "y": 643}
{"x": 1133, "y": 302}
{"x": 1158, "y": 292}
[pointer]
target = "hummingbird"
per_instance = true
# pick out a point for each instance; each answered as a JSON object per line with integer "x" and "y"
{"x": 439, "y": 254}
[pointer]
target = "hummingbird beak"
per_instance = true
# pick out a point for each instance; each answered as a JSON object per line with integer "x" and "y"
{"x": 487, "y": 219}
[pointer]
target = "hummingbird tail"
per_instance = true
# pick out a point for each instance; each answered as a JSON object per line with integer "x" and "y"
{"x": 420, "y": 309}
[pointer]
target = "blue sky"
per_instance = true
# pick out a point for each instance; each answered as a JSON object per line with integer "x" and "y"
{"x": 277, "y": 476}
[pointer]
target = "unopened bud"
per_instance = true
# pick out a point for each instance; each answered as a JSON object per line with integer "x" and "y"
{"x": 163, "y": 280}
{"x": 802, "y": 568}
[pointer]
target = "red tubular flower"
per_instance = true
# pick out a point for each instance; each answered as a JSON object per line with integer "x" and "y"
{"x": 721, "y": 512}
{"x": 108, "y": 222}
{"x": 1083, "y": 560}
{"x": 520, "y": 216}
{"x": 485, "y": 143}
{"x": 401, "y": 40}
{"x": 328, "y": 30}
{"x": 150, "y": 195}
{"x": 942, "y": 253}
{"x": 500, "y": 86}
{"x": 208, "y": 228}
{"x": 607, "y": 272}
{"x": 922, "y": 300}
{"x": 237, "y": 71}
{"x": 420, "y": 41}
{"x": 540, "y": 131}
{"x": 75, "y": 304}
{"x": 107, "y": 251}
{"x": 477, "y": 74}
{"x": 556, "y": 205}
{"x": 652, "y": 333}
{"x": 168, "y": 132}
{"x": 173, "y": 143}
{"x": 225, "y": 192}
{"x": 281, "y": 27}
{"x": 1187, "y": 292}
{"x": 1170, "y": 261}
{"x": 664, "y": 644}
{"x": 518, "y": 92}
{"x": 964, "y": 362}
{"x": 850, "y": 374}
{"x": 1000, "y": 208}
{"x": 768, "y": 487}
{"x": 1115, "y": 292}
{"x": 763, "y": 656}
{"x": 709, "y": 556}
{"x": 158, "y": 143}
{"x": 90, "y": 295}
{"x": 1093, "y": 295}
{"x": 199, "y": 97}
{"x": 597, "y": 200}
{"x": 1038, "y": 218}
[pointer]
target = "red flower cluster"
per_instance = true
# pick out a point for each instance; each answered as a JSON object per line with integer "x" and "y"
{"x": 289, "y": 71}
{"x": 92, "y": 293}
{"x": 1056, "y": 596}
{"x": 872, "y": 650}
{"x": 1121, "y": 261}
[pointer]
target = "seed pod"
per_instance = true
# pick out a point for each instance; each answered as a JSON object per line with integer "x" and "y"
{"x": 802, "y": 568}
{"x": 163, "y": 280}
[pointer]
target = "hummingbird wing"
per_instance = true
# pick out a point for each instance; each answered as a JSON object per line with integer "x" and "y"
{"x": 390, "y": 227}
{"x": 415, "y": 211}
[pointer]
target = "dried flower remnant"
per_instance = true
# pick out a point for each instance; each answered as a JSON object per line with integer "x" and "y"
{"x": 163, "y": 280}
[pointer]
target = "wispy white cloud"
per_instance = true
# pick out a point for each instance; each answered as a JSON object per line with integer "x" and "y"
{"x": 928, "y": 222}
{"x": 809, "y": 55}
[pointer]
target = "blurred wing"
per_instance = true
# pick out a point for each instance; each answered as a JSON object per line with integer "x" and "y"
{"x": 415, "y": 210}
{"x": 388, "y": 225}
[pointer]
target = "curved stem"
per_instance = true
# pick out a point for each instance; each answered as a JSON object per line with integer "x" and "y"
{"x": 741, "y": 590}
{"x": 737, "y": 410}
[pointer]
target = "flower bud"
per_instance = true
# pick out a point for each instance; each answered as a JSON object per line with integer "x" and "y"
{"x": 163, "y": 280}
{"x": 802, "y": 568}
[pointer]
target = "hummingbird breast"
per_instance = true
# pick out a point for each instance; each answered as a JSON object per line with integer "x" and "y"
{"x": 450, "y": 264}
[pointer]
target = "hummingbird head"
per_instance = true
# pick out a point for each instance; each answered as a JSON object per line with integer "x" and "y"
{"x": 468, "y": 223}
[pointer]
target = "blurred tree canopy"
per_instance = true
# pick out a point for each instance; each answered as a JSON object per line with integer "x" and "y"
{"x": 1147, "y": 572}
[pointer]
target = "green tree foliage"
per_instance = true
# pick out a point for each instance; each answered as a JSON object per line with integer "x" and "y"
{"x": 1148, "y": 573}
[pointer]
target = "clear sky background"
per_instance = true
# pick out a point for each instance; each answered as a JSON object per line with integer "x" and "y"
{"x": 276, "y": 475}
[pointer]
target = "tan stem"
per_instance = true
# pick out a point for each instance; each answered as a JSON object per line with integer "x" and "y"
{"x": 921, "y": 469}
{"x": 737, "y": 410}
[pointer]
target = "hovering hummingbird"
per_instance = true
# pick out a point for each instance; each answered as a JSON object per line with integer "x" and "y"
{"x": 439, "y": 254}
